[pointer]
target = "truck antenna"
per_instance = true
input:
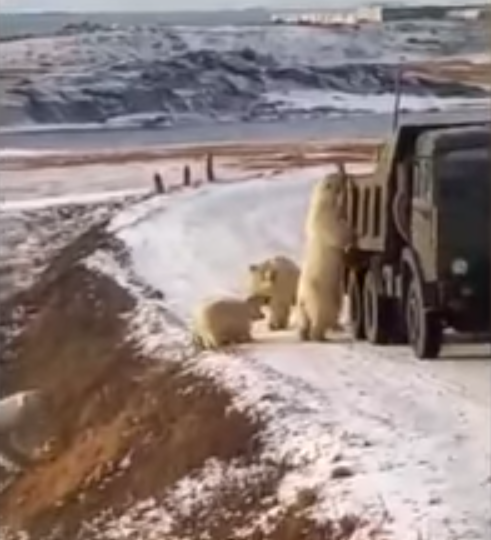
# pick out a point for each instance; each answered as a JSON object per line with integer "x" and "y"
{"x": 397, "y": 98}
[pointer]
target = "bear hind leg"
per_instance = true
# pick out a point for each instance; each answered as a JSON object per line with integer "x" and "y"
{"x": 319, "y": 325}
{"x": 197, "y": 342}
{"x": 210, "y": 342}
{"x": 303, "y": 322}
{"x": 318, "y": 333}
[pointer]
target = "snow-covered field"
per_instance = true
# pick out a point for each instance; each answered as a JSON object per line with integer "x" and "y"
{"x": 84, "y": 184}
{"x": 415, "y": 436}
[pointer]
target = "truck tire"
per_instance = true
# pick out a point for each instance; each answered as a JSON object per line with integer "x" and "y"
{"x": 375, "y": 311}
{"x": 355, "y": 301}
{"x": 424, "y": 328}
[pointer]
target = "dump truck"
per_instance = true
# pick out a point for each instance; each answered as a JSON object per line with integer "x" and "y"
{"x": 421, "y": 264}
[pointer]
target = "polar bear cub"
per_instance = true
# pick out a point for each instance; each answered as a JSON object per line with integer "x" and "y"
{"x": 327, "y": 235}
{"x": 225, "y": 321}
{"x": 275, "y": 280}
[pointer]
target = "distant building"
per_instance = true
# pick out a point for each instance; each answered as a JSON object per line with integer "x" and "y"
{"x": 332, "y": 17}
{"x": 370, "y": 14}
{"x": 380, "y": 14}
{"x": 468, "y": 14}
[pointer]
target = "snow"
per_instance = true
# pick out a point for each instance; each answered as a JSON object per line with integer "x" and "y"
{"x": 29, "y": 127}
{"x": 476, "y": 58}
{"x": 290, "y": 44}
{"x": 84, "y": 198}
{"x": 418, "y": 447}
{"x": 7, "y": 153}
{"x": 377, "y": 103}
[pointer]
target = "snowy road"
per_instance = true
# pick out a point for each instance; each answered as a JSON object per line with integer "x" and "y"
{"x": 417, "y": 434}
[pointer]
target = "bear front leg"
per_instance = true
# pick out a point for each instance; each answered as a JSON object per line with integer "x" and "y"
{"x": 279, "y": 317}
{"x": 198, "y": 342}
{"x": 212, "y": 343}
{"x": 337, "y": 327}
{"x": 319, "y": 325}
{"x": 317, "y": 333}
{"x": 245, "y": 337}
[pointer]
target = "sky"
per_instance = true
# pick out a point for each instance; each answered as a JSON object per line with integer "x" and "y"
{"x": 171, "y": 5}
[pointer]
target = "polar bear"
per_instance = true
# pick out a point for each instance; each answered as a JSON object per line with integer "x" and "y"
{"x": 225, "y": 321}
{"x": 325, "y": 220}
{"x": 20, "y": 413}
{"x": 327, "y": 235}
{"x": 275, "y": 280}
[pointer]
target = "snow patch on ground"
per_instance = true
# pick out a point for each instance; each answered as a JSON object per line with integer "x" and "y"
{"x": 306, "y": 100}
{"x": 69, "y": 200}
{"x": 7, "y": 153}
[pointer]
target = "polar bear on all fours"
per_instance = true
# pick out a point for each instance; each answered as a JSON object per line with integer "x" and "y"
{"x": 327, "y": 236}
{"x": 225, "y": 321}
{"x": 275, "y": 282}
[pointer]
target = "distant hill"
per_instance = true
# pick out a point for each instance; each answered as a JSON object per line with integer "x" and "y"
{"x": 21, "y": 24}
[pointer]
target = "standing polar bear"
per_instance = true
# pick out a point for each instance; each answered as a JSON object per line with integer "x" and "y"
{"x": 327, "y": 235}
{"x": 225, "y": 321}
{"x": 275, "y": 281}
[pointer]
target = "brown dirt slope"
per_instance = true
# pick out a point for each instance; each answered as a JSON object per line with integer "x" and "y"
{"x": 110, "y": 406}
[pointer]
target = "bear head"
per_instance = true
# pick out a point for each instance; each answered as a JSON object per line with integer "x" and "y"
{"x": 262, "y": 279}
{"x": 330, "y": 191}
{"x": 255, "y": 304}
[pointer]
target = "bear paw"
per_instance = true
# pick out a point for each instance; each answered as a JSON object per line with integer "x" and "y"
{"x": 337, "y": 327}
{"x": 304, "y": 334}
{"x": 277, "y": 325}
{"x": 318, "y": 335}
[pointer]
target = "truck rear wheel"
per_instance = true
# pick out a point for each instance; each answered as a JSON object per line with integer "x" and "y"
{"x": 424, "y": 329}
{"x": 355, "y": 300}
{"x": 375, "y": 311}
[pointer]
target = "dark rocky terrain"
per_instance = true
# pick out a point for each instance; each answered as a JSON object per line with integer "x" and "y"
{"x": 154, "y": 76}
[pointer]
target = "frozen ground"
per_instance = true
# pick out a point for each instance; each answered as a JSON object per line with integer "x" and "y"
{"x": 415, "y": 436}
{"x": 43, "y": 210}
{"x": 28, "y": 184}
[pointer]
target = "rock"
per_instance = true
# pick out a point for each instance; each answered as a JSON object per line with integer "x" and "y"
{"x": 342, "y": 471}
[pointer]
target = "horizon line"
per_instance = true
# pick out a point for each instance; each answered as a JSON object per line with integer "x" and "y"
{"x": 360, "y": 3}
